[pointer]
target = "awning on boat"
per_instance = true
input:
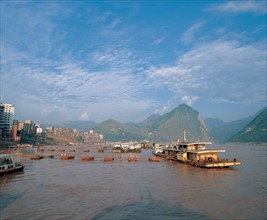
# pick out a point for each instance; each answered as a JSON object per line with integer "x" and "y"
{"x": 205, "y": 151}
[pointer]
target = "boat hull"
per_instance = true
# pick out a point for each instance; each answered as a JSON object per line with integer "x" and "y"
{"x": 12, "y": 170}
{"x": 219, "y": 164}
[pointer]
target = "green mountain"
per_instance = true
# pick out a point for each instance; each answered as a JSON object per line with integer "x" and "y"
{"x": 115, "y": 131}
{"x": 79, "y": 125}
{"x": 221, "y": 131}
{"x": 163, "y": 128}
{"x": 255, "y": 131}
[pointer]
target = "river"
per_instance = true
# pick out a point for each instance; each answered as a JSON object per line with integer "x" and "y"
{"x": 74, "y": 189}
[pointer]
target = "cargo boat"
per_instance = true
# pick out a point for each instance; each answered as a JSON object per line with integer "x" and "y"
{"x": 8, "y": 164}
{"x": 196, "y": 154}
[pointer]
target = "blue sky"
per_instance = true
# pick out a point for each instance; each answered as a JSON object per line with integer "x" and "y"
{"x": 127, "y": 60}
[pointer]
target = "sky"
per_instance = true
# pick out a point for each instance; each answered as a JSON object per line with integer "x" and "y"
{"x": 127, "y": 60}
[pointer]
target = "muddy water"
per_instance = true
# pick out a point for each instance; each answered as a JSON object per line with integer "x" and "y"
{"x": 75, "y": 189}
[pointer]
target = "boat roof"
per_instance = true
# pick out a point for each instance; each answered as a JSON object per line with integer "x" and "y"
{"x": 206, "y": 151}
{"x": 6, "y": 155}
{"x": 196, "y": 142}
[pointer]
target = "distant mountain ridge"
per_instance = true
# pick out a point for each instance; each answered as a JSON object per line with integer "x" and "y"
{"x": 221, "y": 131}
{"x": 255, "y": 131}
{"x": 163, "y": 128}
{"x": 80, "y": 125}
{"x": 170, "y": 126}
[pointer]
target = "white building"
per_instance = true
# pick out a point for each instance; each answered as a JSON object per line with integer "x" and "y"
{"x": 6, "y": 120}
{"x": 39, "y": 130}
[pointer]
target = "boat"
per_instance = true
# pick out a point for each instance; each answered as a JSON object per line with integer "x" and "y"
{"x": 154, "y": 159}
{"x": 101, "y": 150}
{"x": 66, "y": 157}
{"x": 107, "y": 159}
{"x": 126, "y": 148}
{"x": 8, "y": 164}
{"x": 36, "y": 157}
{"x": 117, "y": 148}
{"x": 196, "y": 154}
{"x": 48, "y": 156}
{"x": 134, "y": 148}
{"x": 88, "y": 158}
{"x": 132, "y": 159}
{"x": 158, "y": 149}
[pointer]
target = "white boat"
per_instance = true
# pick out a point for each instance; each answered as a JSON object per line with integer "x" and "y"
{"x": 8, "y": 164}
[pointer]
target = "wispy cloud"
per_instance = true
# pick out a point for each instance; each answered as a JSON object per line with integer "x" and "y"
{"x": 189, "y": 35}
{"x": 257, "y": 7}
{"x": 220, "y": 70}
{"x": 68, "y": 61}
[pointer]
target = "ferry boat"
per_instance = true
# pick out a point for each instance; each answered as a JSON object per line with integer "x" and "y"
{"x": 8, "y": 164}
{"x": 196, "y": 154}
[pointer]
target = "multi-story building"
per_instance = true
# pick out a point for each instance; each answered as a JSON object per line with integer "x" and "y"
{"x": 28, "y": 127}
{"x": 6, "y": 121}
{"x": 1, "y": 118}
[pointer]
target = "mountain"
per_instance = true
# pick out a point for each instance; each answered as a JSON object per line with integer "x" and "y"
{"x": 214, "y": 123}
{"x": 158, "y": 128}
{"x": 115, "y": 131}
{"x": 80, "y": 125}
{"x": 171, "y": 125}
{"x": 255, "y": 131}
{"x": 221, "y": 131}
{"x": 150, "y": 120}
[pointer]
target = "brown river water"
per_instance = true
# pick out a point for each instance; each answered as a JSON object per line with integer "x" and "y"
{"x": 74, "y": 189}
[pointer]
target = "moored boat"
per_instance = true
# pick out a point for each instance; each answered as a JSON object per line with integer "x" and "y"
{"x": 107, "y": 159}
{"x": 66, "y": 157}
{"x": 36, "y": 157}
{"x": 196, "y": 154}
{"x": 87, "y": 158}
{"x": 132, "y": 159}
{"x": 8, "y": 164}
{"x": 154, "y": 159}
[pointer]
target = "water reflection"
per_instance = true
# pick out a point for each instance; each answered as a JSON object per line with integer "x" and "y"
{"x": 148, "y": 210}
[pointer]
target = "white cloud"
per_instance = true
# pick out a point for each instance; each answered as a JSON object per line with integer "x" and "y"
{"x": 84, "y": 116}
{"x": 258, "y": 7}
{"x": 189, "y": 35}
{"x": 189, "y": 100}
{"x": 220, "y": 70}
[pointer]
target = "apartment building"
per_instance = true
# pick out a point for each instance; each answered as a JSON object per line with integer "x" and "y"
{"x": 6, "y": 118}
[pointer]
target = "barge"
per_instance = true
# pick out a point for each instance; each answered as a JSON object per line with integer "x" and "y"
{"x": 196, "y": 154}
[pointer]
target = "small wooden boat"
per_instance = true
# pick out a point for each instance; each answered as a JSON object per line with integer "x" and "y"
{"x": 87, "y": 158}
{"x": 132, "y": 159}
{"x": 106, "y": 159}
{"x": 100, "y": 150}
{"x": 36, "y": 157}
{"x": 61, "y": 150}
{"x": 72, "y": 150}
{"x": 154, "y": 159}
{"x": 66, "y": 157}
{"x": 86, "y": 150}
{"x": 48, "y": 156}
{"x": 8, "y": 164}
{"x": 51, "y": 150}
